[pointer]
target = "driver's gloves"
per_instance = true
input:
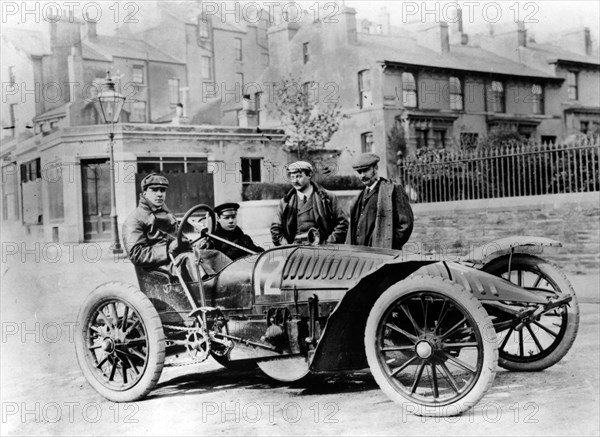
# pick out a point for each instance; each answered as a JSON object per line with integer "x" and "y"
{"x": 176, "y": 249}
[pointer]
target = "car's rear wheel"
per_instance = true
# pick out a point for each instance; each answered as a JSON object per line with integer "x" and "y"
{"x": 120, "y": 342}
{"x": 431, "y": 346}
{"x": 546, "y": 340}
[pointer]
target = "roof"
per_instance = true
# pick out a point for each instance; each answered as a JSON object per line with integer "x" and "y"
{"x": 104, "y": 48}
{"x": 31, "y": 42}
{"x": 468, "y": 58}
{"x": 188, "y": 13}
{"x": 552, "y": 52}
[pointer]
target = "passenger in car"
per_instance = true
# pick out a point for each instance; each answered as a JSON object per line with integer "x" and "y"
{"x": 308, "y": 205}
{"x": 228, "y": 229}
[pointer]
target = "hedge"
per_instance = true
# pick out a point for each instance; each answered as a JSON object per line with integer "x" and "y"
{"x": 267, "y": 190}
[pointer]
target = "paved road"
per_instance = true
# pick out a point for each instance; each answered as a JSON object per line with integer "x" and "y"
{"x": 44, "y": 393}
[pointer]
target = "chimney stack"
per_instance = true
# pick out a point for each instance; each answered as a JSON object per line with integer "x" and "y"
{"x": 457, "y": 33}
{"x": 435, "y": 37}
{"x": 384, "y": 20}
{"x": 588, "y": 41}
{"x": 89, "y": 28}
{"x": 521, "y": 34}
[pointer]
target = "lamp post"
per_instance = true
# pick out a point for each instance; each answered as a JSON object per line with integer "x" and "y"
{"x": 110, "y": 103}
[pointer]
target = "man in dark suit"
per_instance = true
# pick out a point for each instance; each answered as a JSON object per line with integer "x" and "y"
{"x": 381, "y": 216}
{"x": 308, "y": 205}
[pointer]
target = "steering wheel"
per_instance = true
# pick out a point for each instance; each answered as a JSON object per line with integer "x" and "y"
{"x": 188, "y": 220}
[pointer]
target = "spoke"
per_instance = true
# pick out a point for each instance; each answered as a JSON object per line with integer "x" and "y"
{"x": 397, "y": 348}
{"x": 131, "y": 328}
{"x": 460, "y": 363}
{"x": 520, "y": 278}
{"x": 125, "y": 316}
{"x": 403, "y": 366}
{"x": 459, "y": 345}
{"x": 412, "y": 320}
{"x": 137, "y": 341}
{"x": 101, "y": 313}
{"x": 537, "y": 281}
{"x": 453, "y": 329}
{"x": 124, "y": 372}
{"x": 411, "y": 337}
{"x": 425, "y": 309}
{"x": 98, "y": 346}
{"x": 552, "y": 333}
{"x": 101, "y": 363}
{"x": 510, "y": 331}
{"x": 443, "y": 312}
{"x": 535, "y": 339}
{"x": 521, "y": 343}
{"x": 450, "y": 378}
{"x": 436, "y": 393}
{"x": 113, "y": 371}
{"x": 136, "y": 354}
{"x": 126, "y": 356}
{"x": 413, "y": 388}
{"x": 95, "y": 329}
{"x": 112, "y": 308}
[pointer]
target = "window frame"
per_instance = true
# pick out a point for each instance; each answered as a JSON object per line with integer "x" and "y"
{"x": 364, "y": 87}
{"x": 177, "y": 99}
{"x": 573, "y": 86}
{"x": 497, "y": 98}
{"x": 250, "y": 175}
{"x": 141, "y": 68}
{"x": 455, "y": 99}
{"x": 409, "y": 88}
{"x": 238, "y": 49}
{"x": 206, "y": 63}
{"x": 537, "y": 99}
{"x": 366, "y": 146}
{"x": 135, "y": 110}
{"x": 305, "y": 52}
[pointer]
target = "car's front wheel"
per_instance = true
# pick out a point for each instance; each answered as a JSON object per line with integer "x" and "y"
{"x": 120, "y": 342}
{"x": 431, "y": 346}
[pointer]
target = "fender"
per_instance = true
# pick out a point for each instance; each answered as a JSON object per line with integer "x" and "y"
{"x": 482, "y": 255}
{"x": 341, "y": 344}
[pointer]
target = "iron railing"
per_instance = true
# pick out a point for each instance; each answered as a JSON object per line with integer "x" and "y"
{"x": 516, "y": 170}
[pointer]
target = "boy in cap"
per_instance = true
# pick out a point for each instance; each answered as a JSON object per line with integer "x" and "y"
{"x": 228, "y": 229}
{"x": 381, "y": 216}
{"x": 305, "y": 206}
{"x": 148, "y": 232}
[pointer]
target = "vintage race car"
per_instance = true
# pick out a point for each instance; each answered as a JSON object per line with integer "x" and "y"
{"x": 432, "y": 332}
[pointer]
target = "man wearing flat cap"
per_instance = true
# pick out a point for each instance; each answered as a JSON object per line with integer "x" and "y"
{"x": 228, "y": 229}
{"x": 149, "y": 231}
{"x": 308, "y": 205}
{"x": 381, "y": 216}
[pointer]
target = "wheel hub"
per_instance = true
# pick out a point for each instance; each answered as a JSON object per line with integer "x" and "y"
{"x": 424, "y": 349}
{"x": 108, "y": 345}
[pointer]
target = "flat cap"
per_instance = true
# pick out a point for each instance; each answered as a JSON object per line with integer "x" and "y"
{"x": 154, "y": 180}
{"x": 299, "y": 166}
{"x": 365, "y": 160}
{"x": 229, "y": 206}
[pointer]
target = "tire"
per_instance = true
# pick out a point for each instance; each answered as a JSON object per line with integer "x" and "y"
{"x": 121, "y": 361}
{"x": 429, "y": 379}
{"x": 545, "y": 349}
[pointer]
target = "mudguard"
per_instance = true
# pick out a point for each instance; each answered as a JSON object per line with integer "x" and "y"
{"x": 341, "y": 344}
{"x": 482, "y": 255}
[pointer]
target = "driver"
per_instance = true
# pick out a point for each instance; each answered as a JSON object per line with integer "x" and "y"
{"x": 149, "y": 231}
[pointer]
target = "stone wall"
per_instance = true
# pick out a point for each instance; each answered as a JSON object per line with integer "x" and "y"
{"x": 573, "y": 219}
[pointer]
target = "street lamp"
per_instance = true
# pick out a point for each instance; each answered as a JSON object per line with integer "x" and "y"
{"x": 109, "y": 103}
